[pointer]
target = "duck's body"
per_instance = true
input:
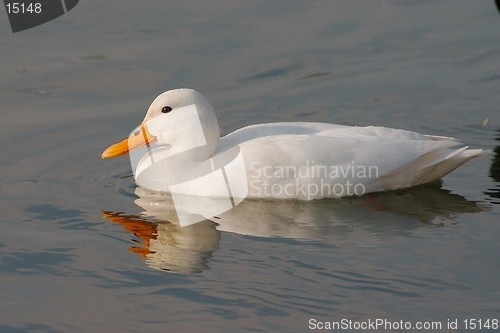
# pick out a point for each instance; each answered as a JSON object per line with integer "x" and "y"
{"x": 282, "y": 160}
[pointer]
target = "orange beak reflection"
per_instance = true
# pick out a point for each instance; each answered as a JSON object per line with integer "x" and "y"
{"x": 139, "y": 138}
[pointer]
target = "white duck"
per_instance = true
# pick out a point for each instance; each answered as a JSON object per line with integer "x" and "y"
{"x": 182, "y": 146}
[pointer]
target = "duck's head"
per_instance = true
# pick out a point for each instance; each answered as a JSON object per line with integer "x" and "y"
{"x": 181, "y": 118}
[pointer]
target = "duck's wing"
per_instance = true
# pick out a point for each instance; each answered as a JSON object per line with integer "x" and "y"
{"x": 379, "y": 158}
{"x": 388, "y": 154}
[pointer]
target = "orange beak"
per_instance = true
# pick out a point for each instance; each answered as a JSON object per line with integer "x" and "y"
{"x": 139, "y": 138}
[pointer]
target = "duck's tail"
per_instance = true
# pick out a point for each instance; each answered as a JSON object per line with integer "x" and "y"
{"x": 430, "y": 167}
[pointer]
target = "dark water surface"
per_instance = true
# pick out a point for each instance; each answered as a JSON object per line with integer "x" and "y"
{"x": 73, "y": 86}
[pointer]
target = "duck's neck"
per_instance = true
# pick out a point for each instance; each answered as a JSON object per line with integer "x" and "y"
{"x": 196, "y": 154}
{"x": 197, "y": 146}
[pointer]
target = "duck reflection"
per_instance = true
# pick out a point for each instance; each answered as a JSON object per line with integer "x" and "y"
{"x": 166, "y": 245}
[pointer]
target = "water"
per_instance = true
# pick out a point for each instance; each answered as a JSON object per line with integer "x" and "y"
{"x": 73, "y": 247}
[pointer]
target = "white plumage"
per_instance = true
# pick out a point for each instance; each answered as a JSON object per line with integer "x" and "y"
{"x": 283, "y": 160}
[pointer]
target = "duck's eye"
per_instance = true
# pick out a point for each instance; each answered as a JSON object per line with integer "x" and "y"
{"x": 166, "y": 109}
